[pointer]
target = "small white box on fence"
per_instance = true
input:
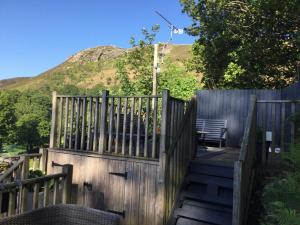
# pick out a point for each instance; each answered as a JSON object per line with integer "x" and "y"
{"x": 277, "y": 150}
{"x": 269, "y": 136}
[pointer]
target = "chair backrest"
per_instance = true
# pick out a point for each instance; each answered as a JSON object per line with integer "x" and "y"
{"x": 212, "y": 126}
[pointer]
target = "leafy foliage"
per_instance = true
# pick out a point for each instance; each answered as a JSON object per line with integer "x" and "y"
{"x": 180, "y": 83}
{"x": 245, "y": 44}
{"x": 138, "y": 63}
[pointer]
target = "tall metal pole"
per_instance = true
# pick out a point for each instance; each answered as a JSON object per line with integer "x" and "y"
{"x": 155, "y": 67}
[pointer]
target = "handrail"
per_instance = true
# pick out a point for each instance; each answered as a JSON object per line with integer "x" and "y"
{"x": 11, "y": 169}
{"x": 247, "y": 133}
{"x": 17, "y": 192}
{"x": 31, "y": 181}
{"x": 243, "y": 168}
{"x": 18, "y": 164}
{"x": 182, "y": 125}
{"x": 181, "y": 133}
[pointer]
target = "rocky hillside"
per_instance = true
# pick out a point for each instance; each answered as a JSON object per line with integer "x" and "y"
{"x": 93, "y": 67}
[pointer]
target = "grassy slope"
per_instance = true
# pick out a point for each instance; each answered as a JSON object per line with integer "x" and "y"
{"x": 87, "y": 74}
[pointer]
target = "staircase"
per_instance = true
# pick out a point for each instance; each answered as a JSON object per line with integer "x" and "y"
{"x": 206, "y": 197}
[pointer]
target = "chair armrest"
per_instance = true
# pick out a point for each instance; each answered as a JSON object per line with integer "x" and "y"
{"x": 223, "y": 131}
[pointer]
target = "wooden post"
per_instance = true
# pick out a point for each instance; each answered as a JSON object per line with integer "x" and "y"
{"x": 293, "y": 107}
{"x": 155, "y": 67}
{"x": 237, "y": 193}
{"x": 282, "y": 126}
{"x": 161, "y": 202}
{"x": 24, "y": 175}
{"x": 53, "y": 120}
{"x": 43, "y": 160}
{"x": 273, "y": 143}
{"x": 67, "y": 187}
{"x": 102, "y": 139}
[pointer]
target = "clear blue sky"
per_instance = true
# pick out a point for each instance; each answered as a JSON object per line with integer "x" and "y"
{"x": 36, "y": 35}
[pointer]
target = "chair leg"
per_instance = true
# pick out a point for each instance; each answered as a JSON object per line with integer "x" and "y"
{"x": 220, "y": 145}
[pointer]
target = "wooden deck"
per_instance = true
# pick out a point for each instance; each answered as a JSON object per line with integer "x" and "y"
{"x": 226, "y": 156}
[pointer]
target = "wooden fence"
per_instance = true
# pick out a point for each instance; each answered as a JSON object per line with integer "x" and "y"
{"x": 280, "y": 123}
{"x": 20, "y": 193}
{"x": 180, "y": 150}
{"x": 115, "y": 125}
{"x": 131, "y": 152}
{"x": 244, "y": 168}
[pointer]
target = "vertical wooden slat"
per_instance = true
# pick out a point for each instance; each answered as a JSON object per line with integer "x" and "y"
{"x": 83, "y": 120}
{"x": 161, "y": 200}
{"x": 1, "y": 199}
{"x": 77, "y": 123}
{"x": 71, "y": 123}
{"x": 138, "y": 135}
{"x": 104, "y": 103}
{"x": 67, "y": 186}
{"x": 53, "y": 121}
{"x": 124, "y": 126}
{"x": 46, "y": 193}
{"x": 90, "y": 120}
{"x": 118, "y": 125}
{"x": 146, "y": 127}
{"x": 60, "y": 121}
{"x": 273, "y": 127}
{"x": 66, "y": 122}
{"x": 282, "y": 126}
{"x": 154, "y": 127}
{"x": 55, "y": 191}
{"x": 36, "y": 191}
{"x": 293, "y": 109}
{"x": 12, "y": 203}
{"x": 96, "y": 124}
{"x": 131, "y": 126}
{"x": 24, "y": 191}
{"x": 111, "y": 124}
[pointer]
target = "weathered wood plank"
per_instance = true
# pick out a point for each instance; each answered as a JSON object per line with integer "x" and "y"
{"x": 146, "y": 127}
{"x": 53, "y": 120}
{"x": 154, "y": 127}
{"x": 118, "y": 125}
{"x": 78, "y": 103}
{"x": 66, "y": 122}
{"x": 111, "y": 124}
{"x": 124, "y": 126}
{"x": 138, "y": 137}
{"x": 83, "y": 124}
{"x": 90, "y": 120}
{"x": 104, "y": 105}
{"x": 71, "y": 123}
{"x": 95, "y": 131}
{"x": 131, "y": 126}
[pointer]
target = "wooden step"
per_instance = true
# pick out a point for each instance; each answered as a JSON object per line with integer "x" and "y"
{"x": 213, "y": 180}
{"x": 185, "y": 221}
{"x": 203, "y": 215}
{"x": 211, "y": 168}
{"x": 204, "y": 197}
{"x": 217, "y": 207}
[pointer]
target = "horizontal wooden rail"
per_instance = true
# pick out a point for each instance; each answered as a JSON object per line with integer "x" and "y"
{"x": 51, "y": 189}
{"x": 21, "y": 167}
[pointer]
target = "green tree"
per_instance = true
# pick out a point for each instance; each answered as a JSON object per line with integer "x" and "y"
{"x": 7, "y": 116}
{"x": 181, "y": 84}
{"x": 245, "y": 44}
{"x": 32, "y": 111}
{"x": 138, "y": 64}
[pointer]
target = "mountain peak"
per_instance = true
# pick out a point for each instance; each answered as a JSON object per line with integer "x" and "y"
{"x": 97, "y": 53}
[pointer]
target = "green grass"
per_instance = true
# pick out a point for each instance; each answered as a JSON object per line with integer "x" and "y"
{"x": 12, "y": 150}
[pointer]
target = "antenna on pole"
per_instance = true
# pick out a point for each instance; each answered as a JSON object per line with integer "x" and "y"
{"x": 173, "y": 28}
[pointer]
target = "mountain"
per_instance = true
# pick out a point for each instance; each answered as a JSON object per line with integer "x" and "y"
{"x": 87, "y": 69}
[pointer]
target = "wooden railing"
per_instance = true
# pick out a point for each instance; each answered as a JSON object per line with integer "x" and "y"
{"x": 15, "y": 197}
{"x": 280, "y": 124}
{"x": 20, "y": 169}
{"x": 176, "y": 148}
{"x": 244, "y": 168}
{"x": 117, "y": 125}
{"x": 75, "y": 122}
{"x": 133, "y": 126}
